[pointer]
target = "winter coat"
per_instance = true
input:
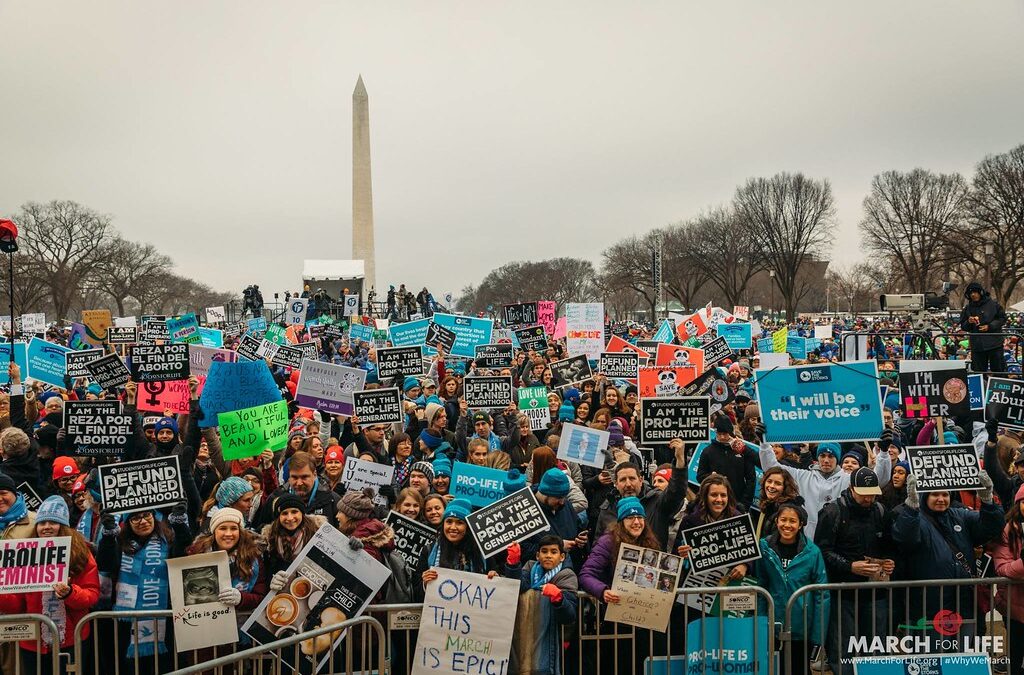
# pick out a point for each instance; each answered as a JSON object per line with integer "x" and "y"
{"x": 989, "y": 312}
{"x": 597, "y": 572}
{"x": 893, "y": 496}
{"x": 808, "y": 567}
{"x": 537, "y": 639}
{"x": 378, "y": 540}
{"x": 23, "y": 529}
{"x": 563, "y": 523}
{"x": 250, "y": 599}
{"x": 322, "y": 503}
{"x": 739, "y": 468}
{"x": 660, "y": 507}
{"x": 275, "y": 562}
{"x": 848, "y": 532}
{"x": 1006, "y": 557}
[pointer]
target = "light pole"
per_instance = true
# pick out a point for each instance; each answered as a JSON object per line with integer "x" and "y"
{"x": 990, "y": 250}
{"x": 9, "y": 244}
{"x": 771, "y": 275}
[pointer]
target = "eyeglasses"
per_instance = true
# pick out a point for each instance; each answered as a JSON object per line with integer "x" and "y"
{"x": 139, "y": 517}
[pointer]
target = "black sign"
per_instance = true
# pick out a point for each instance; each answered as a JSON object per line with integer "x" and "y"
{"x": 32, "y": 500}
{"x": 936, "y": 392}
{"x": 491, "y": 391}
{"x": 532, "y": 338}
{"x": 159, "y": 363}
{"x": 288, "y": 356}
{"x": 507, "y": 521}
{"x": 334, "y": 331}
{"x": 494, "y": 356}
{"x": 97, "y": 427}
{"x": 662, "y": 419}
{"x": 1004, "y": 402}
{"x": 109, "y": 371}
{"x": 523, "y": 314}
{"x": 249, "y": 347}
{"x": 123, "y": 335}
{"x": 309, "y": 350}
{"x": 619, "y": 365}
{"x": 77, "y": 360}
{"x": 724, "y": 543}
{"x": 399, "y": 361}
{"x": 439, "y": 336}
{"x": 712, "y": 385}
{"x": 649, "y": 346}
{"x": 945, "y": 468}
{"x": 378, "y": 406}
{"x": 570, "y": 371}
{"x": 316, "y": 331}
{"x": 715, "y": 352}
{"x": 412, "y": 539}
{"x": 127, "y": 487}
{"x": 155, "y": 329}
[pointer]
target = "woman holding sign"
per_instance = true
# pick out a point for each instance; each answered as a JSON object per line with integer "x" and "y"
{"x": 714, "y": 502}
{"x": 454, "y": 549}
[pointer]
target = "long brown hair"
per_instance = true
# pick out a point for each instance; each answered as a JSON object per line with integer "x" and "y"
{"x": 543, "y": 458}
{"x": 80, "y": 552}
{"x": 790, "y": 490}
{"x": 278, "y": 533}
{"x": 247, "y": 551}
{"x": 160, "y": 529}
{"x": 702, "y": 496}
{"x": 620, "y": 535}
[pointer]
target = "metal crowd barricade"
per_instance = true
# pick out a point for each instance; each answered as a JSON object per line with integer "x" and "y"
{"x": 906, "y": 617}
{"x": 18, "y": 628}
{"x": 860, "y": 345}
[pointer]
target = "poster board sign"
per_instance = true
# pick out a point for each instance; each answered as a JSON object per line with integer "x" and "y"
{"x": 200, "y": 358}
{"x": 200, "y": 619}
{"x": 945, "y": 468}
{"x": 267, "y": 350}
{"x": 351, "y": 305}
{"x": 47, "y": 361}
{"x": 77, "y": 360}
{"x": 109, "y": 371}
{"x": 163, "y": 396}
{"x": 159, "y": 363}
{"x": 235, "y": 386}
{"x": 288, "y": 356}
{"x": 97, "y": 427}
{"x": 216, "y": 314}
{"x": 413, "y": 539}
{"x": 584, "y": 329}
{"x": 249, "y": 347}
{"x": 619, "y": 365}
{"x": 737, "y": 335}
{"x": 32, "y": 500}
{"x": 327, "y": 387}
{"x": 96, "y": 322}
{"x": 296, "y": 314}
{"x": 250, "y": 431}
{"x": 713, "y": 385}
{"x": 666, "y": 331}
{"x": 184, "y": 329}
{"x": 679, "y": 355}
{"x": 359, "y": 473}
{"x": 532, "y": 338}
{"x": 741, "y": 312}
{"x": 358, "y": 332}
{"x": 328, "y": 582}
{"x": 481, "y": 485}
{"x": 976, "y": 391}
{"x": 507, "y": 521}
{"x": 409, "y": 334}
{"x": 546, "y": 313}
{"x": 309, "y": 350}
{"x": 257, "y": 324}
{"x": 141, "y": 485}
{"x": 155, "y": 330}
{"x": 1005, "y": 402}
{"x": 771, "y": 360}
{"x": 440, "y": 337}
{"x": 33, "y": 323}
{"x": 570, "y": 371}
{"x": 617, "y": 344}
{"x": 716, "y": 351}
{"x": 469, "y": 332}
{"x": 583, "y": 445}
{"x": 662, "y": 419}
{"x": 122, "y": 335}
{"x": 691, "y": 326}
{"x": 486, "y": 614}
{"x": 399, "y": 362}
{"x": 823, "y": 332}
{"x": 815, "y": 403}
{"x": 533, "y": 402}
{"x": 933, "y": 389}
{"x": 28, "y": 565}
{"x": 484, "y": 392}
{"x": 645, "y": 580}
{"x": 655, "y": 381}
{"x": 494, "y": 356}
{"x": 378, "y": 406}
{"x": 731, "y": 644}
{"x": 522, "y": 314}
{"x": 724, "y": 543}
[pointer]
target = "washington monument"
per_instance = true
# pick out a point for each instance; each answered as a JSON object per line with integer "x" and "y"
{"x": 362, "y": 189}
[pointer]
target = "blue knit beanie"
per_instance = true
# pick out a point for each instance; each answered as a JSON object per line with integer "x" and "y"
{"x": 410, "y": 383}
{"x": 905, "y": 465}
{"x": 566, "y": 413}
{"x": 572, "y": 394}
{"x": 443, "y": 467}
{"x": 231, "y": 489}
{"x": 166, "y": 423}
{"x": 54, "y": 510}
{"x": 430, "y": 440}
{"x": 514, "y": 481}
{"x": 554, "y": 483}
{"x": 831, "y": 448}
{"x": 951, "y": 438}
{"x": 630, "y": 506}
{"x": 458, "y": 508}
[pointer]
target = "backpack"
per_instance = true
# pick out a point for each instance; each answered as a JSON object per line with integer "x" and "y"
{"x": 399, "y": 587}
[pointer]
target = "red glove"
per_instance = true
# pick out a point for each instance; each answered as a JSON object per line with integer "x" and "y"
{"x": 552, "y": 593}
{"x": 514, "y": 555}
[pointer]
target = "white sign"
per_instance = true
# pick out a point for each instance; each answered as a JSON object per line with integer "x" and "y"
{"x": 584, "y": 329}
{"x": 351, "y": 305}
{"x": 200, "y": 619}
{"x": 33, "y": 323}
{"x": 359, "y": 474}
{"x": 216, "y": 315}
{"x": 297, "y": 311}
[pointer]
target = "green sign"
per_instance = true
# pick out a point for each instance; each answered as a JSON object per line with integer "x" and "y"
{"x": 275, "y": 334}
{"x": 533, "y": 402}
{"x": 248, "y": 432}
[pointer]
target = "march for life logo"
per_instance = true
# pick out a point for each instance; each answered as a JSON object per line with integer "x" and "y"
{"x": 919, "y": 640}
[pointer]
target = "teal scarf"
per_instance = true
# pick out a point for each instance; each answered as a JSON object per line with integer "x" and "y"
{"x": 142, "y": 584}
{"x": 17, "y": 511}
{"x": 538, "y": 578}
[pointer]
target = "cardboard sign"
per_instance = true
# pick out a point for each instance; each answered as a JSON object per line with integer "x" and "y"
{"x": 716, "y": 351}
{"x": 690, "y": 327}
{"x": 507, "y": 521}
{"x": 439, "y": 336}
{"x": 678, "y": 355}
{"x": 945, "y": 468}
{"x": 77, "y": 360}
{"x": 122, "y": 335}
{"x": 248, "y": 432}
{"x": 655, "y": 381}
{"x": 933, "y": 389}
{"x": 532, "y": 338}
{"x": 662, "y": 419}
{"x": 583, "y": 445}
{"x": 97, "y": 427}
{"x": 28, "y": 565}
{"x": 570, "y": 371}
{"x": 378, "y": 406}
{"x": 216, "y": 314}
{"x": 142, "y": 485}
{"x": 163, "y": 396}
{"x": 159, "y": 363}
{"x": 109, "y": 371}
{"x": 96, "y": 322}
{"x": 494, "y": 356}
{"x": 327, "y": 387}
{"x": 296, "y": 313}
{"x": 413, "y": 539}
{"x": 487, "y": 392}
{"x": 645, "y": 580}
{"x": 481, "y": 485}
{"x": 235, "y": 386}
{"x": 200, "y": 619}
{"x": 523, "y": 314}
{"x": 1005, "y": 402}
{"x": 619, "y": 365}
{"x": 724, "y": 543}
{"x": 533, "y": 402}
{"x": 47, "y": 362}
{"x": 737, "y": 335}
{"x": 584, "y": 329}
{"x": 359, "y": 474}
{"x": 399, "y": 362}
{"x": 184, "y": 329}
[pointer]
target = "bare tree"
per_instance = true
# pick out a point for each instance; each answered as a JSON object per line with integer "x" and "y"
{"x": 560, "y": 279}
{"x": 727, "y": 249}
{"x": 681, "y": 270}
{"x": 31, "y": 287}
{"x": 630, "y": 264}
{"x": 793, "y": 218}
{"x": 125, "y": 265}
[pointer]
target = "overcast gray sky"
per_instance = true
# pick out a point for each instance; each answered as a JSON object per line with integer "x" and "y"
{"x": 221, "y": 131}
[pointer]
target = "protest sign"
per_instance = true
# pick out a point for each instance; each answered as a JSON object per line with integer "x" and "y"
{"x": 481, "y": 485}
{"x": 20, "y": 358}
{"x": 815, "y": 403}
{"x": 666, "y": 331}
{"x": 800, "y": 347}
{"x": 378, "y": 406}
{"x": 256, "y": 324}
{"x": 933, "y": 388}
{"x": 737, "y": 644}
{"x": 216, "y": 314}
{"x": 440, "y": 337}
{"x": 737, "y": 335}
{"x": 276, "y": 333}
{"x": 944, "y": 663}
{"x": 975, "y": 390}
{"x": 32, "y": 500}
{"x": 408, "y": 334}
{"x": 360, "y": 333}
{"x": 533, "y": 402}
{"x": 155, "y": 330}
{"x": 249, "y": 347}
{"x": 617, "y": 344}
{"x": 765, "y": 346}
{"x": 584, "y": 329}
{"x": 654, "y": 381}
{"x": 267, "y": 350}
{"x": 97, "y": 427}
{"x": 96, "y": 322}
{"x": 399, "y": 362}
{"x": 77, "y": 360}
{"x": 200, "y": 358}
{"x": 716, "y": 351}
{"x": 33, "y": 323}
{"x": 28, "y": 565}
{"x": 546, "y": 311}
{"x": 532, "y": 338}
{"x": 413, "y": 539}
{"x": 327, "y": 583}
{"x": 122, "y": 335}
{"x": 823, "y": 332}
{"x": 327, "y": 387}
{"x": 108, "y": 371}
{"x": 484, "y": 610}
{"x": 724, "y": 543}
{"x": 771, "y": 361}
{"x": 494, "y": 356}
{"x": 163, "y": 396}
{"x": 296, "y": 313}
{"x": 570, "y": 371}
{"x": 945, "y": 468}
{"x": 583, "y": 445}
{"x": 711, "y": 384}
{"x": 158, "y": 363}
{"x": 1005, "y": 402}
{"x": 677, "y": 355}
{"x": 142, "y": 485}
{"x": 619, "y": 365}
{"x": 487, "y": 392}
{"x": 507, "y": 521}
{"x": 309, "y": 350}
{"x": 645, "y": 580}
{"x": 351, "y": 305}
{"x": 235, "y": 386}
{"x": 690, "y": 326}
{"x": 211, "y": 337}
{"x": 523, "y": 314}
{"x": 184, "y": 329}
{"x": 469, "y": 331}
{"x": 359, "y": 474}
{"x": 288, "y": 356}
{"x": 662, "y": 419}
{"x": 780, "y": 341}
{"x": 46, "y": 361}
{"x": 200, "y": 619}
{"x": 248, "y": 432}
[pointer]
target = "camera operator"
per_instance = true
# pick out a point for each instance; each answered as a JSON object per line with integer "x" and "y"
{"x": 980, "y": 315}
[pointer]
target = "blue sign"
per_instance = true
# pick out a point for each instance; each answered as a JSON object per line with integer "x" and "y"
{"x": 800, "y": 347}
{"x": 211, "y": 337}
{"x": 934, "y": 664}
{"x": 737, "y": 335}
{"x": 20, "y": 358}
{"x": 766, "y": 345}
{"x": 360, "y": 332}
{"x": 46, "y": 362}
{"x": 184, "y": 329}
{"x": 481, "y": 485}
{"x": 409, "y": 334}
{"x": 666, "y": 331}
{"x": 257, "y": 325}
{"x": 234, "y": 386}
{"x": 816, "y": 403}
{"x": 727, "y": 645}
{"x": 470, "y": 332}
{"x": 976, "y": 391}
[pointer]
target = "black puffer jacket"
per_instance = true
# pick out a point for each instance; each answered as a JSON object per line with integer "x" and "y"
{"x": 989, "y": 312}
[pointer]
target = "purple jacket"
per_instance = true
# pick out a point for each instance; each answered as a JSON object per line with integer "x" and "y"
{"x": 596, "y": 575}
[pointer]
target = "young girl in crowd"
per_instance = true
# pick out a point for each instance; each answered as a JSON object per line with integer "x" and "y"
{"x": 409, "y": 504}
{"x": 433, "y": 509}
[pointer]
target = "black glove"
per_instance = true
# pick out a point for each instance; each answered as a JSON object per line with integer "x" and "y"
{"x": 355, "y": 544}
{"x": 388, "y": 493}
{"x": 107, "y": 520}
{"x": 886, "y": 439}
{"x": 340, "y": 489}
{"x": 179, "y": 515}
{"x": 992, "y": 427}
{"x": 760, "y": 431}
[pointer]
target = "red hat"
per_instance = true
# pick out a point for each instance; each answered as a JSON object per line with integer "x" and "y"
{"x": 665, "y": 473}
{"x": 334, "y": 454}
{"x": 79, "y": 485}
{"x": 64, "y": 467}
